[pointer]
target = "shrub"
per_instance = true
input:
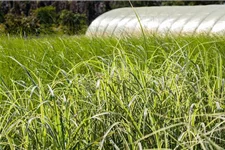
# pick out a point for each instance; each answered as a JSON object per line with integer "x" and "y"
{"x": 21, "y": 24}
{"x": 46, "y": 15}
{"x": 73, "y": 23}
{"x": 2, "y": 28}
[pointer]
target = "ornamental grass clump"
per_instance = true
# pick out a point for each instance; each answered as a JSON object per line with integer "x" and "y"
{"x": 81, "y": 93}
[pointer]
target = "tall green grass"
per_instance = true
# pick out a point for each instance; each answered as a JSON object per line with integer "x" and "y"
{"x": 94, "y": 93}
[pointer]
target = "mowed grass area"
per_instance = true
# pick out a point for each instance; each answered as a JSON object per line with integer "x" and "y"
{"x": 130, "y": 93}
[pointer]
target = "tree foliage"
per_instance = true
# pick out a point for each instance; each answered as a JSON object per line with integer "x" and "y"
{"x": 46, "y": 15}
{"x": 23, "y": 25}
{"x": 73, "y": 23}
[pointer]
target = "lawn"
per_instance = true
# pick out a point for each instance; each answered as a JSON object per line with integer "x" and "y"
{"x": 105, "y": 93}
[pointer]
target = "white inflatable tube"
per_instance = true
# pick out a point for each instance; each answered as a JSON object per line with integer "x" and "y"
{"x": 209, "y": 19}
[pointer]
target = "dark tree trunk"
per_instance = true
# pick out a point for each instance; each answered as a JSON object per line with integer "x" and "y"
{"x": 60, "y": 5}
{"x": 5, "y": 7}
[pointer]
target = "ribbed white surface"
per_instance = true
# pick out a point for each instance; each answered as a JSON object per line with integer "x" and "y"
{"x": 166, "y": 19}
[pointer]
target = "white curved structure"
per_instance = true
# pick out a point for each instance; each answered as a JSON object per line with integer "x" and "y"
{"x": 207, "y": 19}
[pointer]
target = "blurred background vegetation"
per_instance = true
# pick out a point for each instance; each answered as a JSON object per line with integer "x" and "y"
{"x": 64, "y": 17}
